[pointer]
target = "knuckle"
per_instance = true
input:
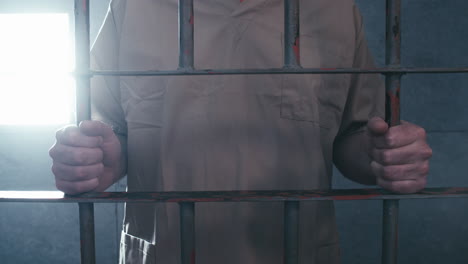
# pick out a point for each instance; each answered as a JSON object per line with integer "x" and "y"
{"x": 390, "y": 139}
{"x": 67, "y": 130}
{"x": 427, "y": 154}
{"x": 70, "y": 134}
{"x": 425, "y": 168}
{"x": 388, "y": 171}
{"x": 62, "y": 187}
{"x": 80, "y": 173}
{"x": 386, "y": 157}
{"x": 80, "y": 157}
{"x": 52, "y": 151}
{"x": 421, "y": 133}
{"x": 72, "y": 138}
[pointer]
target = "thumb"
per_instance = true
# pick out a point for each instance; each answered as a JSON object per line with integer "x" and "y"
{"x": 377, "y": 126}
{"x": 96, "y": 129}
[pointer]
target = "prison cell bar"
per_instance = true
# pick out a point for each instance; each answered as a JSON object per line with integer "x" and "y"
{"x": 83, "y": 112}
{"x": 291, "y": 61}
{"x": 186, "y": 63}
{"x": 392, "y": 117}
{"x": 229, "y": 196}
{"x": 400, "y": 70}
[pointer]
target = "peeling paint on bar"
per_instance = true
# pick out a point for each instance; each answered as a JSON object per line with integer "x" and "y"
{"x": 392, "y": 117}
{"x": 291, "y": 34}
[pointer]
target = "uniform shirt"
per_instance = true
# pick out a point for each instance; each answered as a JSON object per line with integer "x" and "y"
{"x": 232, "y": 132}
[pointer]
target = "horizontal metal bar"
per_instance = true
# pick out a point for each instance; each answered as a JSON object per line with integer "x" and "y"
{"x": 283, "y": 71}
{"x": 388, "y": 70}
{"x": 229, "y": 196}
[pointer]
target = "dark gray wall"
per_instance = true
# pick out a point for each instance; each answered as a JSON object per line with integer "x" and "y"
{"x": 431, "y": 231}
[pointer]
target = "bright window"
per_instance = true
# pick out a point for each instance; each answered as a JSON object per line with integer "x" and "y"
{"x": 36, "y": 57}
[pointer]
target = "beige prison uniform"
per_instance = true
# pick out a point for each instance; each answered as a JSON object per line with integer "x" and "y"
{"x": 255, "y": 132}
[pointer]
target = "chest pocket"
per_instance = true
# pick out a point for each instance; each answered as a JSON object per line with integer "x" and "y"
{"x": 317, "y": 98}
{"x": 299, "y": 99}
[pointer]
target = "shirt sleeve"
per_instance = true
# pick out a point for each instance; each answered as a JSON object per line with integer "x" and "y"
{"x": 366, "y": 96}
{"x": 105, "y": 90}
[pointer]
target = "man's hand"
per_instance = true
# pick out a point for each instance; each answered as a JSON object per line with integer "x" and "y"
{"x": 85, "y": 158}
{"x": 399, "y": 155}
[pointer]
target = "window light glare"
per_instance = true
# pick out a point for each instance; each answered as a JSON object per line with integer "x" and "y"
{"x": 37, "y": 57}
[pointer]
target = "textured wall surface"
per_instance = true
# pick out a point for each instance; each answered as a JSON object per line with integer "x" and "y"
{"x": 431, "y": 231}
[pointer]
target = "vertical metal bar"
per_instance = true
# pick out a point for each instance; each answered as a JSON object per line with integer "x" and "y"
{"x": 88, "y": 255}
{"x": 393, "y": 59}
{"x": 392, "y": 117}
{"x": 291, "y": 60}
{"x": 83, "y": 112}
{"x": 82, "y": 60}
{"x": 187, "y": 232}
{"x": 186, "y": 62}
{"x": 291, "y": 34}
{"x": 186, "y": 25}
{"x": 390, "y": 232}
{"x": 291, "y": 232}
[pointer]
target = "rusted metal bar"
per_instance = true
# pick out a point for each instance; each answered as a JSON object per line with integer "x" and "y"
{"x": 392, "y": 117}
{"x": 87, "y": 241}
{"x": 291, "y": 232}
{"x": 291, "y": 34}
{"x": 393, "y": 59}
{"x": 229, "y": 196}
{"x": 284, "y": 71}
{"x": 187, "y": 232}
{"x": 291, "y": 61}
{"x": 83, "y": 112}
{"x": 186, "y": 25}
{"x": 390, "y": 232}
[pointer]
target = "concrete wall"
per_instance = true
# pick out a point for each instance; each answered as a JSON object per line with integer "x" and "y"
{"x": 431, "y": 231}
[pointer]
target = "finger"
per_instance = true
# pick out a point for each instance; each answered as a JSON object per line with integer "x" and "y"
{"x": 96, "y": 128}
{"x": 72, "y": 136}
{"x": 76, "y": 156}
{"x": 77, "y": 173}
{"x": 377, "y": 126}
{"x": 73, "y": 188}
{"x": 399, "y": 136}
{"x": 418, "y": 151}
{"x": 407, "y": 186}
{"x": 401, "y": 172}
